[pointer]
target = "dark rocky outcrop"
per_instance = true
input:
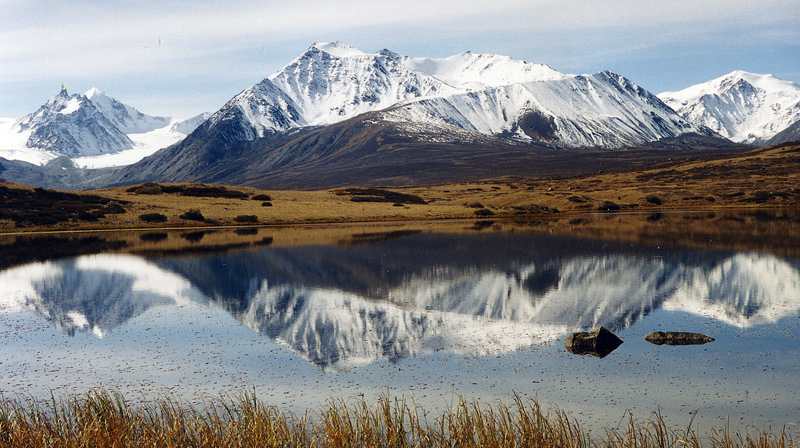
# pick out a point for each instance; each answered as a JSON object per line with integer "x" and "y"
{"x": 598, "y": 342}
{"x": 677, "y": 338}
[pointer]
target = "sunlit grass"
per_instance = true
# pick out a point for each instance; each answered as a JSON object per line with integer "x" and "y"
{"x": 105, "y": 419}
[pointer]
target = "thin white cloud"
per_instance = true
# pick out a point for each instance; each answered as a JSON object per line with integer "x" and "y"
{"x": 81, "y": 39}
{"x": 108, "y": 25}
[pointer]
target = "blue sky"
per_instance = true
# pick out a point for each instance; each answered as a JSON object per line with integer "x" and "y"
{"x": 181, "y": 58}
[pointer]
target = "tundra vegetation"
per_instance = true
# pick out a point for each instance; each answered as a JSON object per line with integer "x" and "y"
{"x": 762, "y": 178}
{"x": 106, "y": 419}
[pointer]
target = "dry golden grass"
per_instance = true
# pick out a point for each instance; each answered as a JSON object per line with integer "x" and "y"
{"x": 106, "y": 419}
{"x": 765, "y": 177}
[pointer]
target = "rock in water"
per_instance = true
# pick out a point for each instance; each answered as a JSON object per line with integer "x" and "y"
{"x": 677, "y": 338}
{"x": 598, "y": 342}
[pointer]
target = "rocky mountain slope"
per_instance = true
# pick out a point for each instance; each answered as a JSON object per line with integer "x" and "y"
{"x": 744, "y": 107}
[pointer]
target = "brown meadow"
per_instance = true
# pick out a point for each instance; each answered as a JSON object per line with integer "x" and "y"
{"x": 105, "y": 419}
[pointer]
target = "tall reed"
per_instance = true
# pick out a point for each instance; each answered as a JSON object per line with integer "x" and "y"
{"x": 106, "y": 419}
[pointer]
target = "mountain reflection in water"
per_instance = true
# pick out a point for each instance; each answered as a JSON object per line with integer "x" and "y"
{"x": 344, "y": 306}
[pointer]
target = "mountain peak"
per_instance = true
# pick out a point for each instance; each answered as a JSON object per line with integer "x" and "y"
{"x": 94, "y": 92}
{"x": 477, "y": 71}
{"x": 79, "y": 126}
{"x": 338, "y": 49}
{"x": 765, "y": 82}
{"x": 748, "y": 76}
{"x": 745, "y": 107}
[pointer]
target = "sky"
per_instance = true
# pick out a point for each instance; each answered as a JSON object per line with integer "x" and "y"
{"x": 181, "y": 58}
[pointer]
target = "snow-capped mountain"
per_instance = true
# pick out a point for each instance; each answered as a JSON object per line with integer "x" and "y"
{"x": 328, "y": 83}
{"x": 93, "y": 129}
{"x": 744, "y": 107}
{"x": 68, "y": 125}
{"x": 488, "y": 94}
{"x": 338, "y": 115}
{"x": 599, "y": 110}
{"x": 125, "y": 118}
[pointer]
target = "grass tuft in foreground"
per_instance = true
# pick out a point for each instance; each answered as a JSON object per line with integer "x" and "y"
{"x": 106, "y": 419}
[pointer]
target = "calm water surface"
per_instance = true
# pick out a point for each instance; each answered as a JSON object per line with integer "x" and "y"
{"x": 429, "y": 315}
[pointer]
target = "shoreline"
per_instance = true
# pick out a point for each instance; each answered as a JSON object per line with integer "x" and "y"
{"x": 385, "y": 221}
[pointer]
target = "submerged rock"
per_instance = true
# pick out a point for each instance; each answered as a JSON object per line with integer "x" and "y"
{"x": 677, "y": 338}
{"x": 598, "y": 342}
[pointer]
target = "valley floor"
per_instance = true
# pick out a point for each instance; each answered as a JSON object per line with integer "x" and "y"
{"x": 764, "y": 178}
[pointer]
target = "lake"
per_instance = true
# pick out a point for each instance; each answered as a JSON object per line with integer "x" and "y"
{"x": 426, "y": 311}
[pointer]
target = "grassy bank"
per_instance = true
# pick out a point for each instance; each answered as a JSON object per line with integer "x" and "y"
{"x": 106, "y": 419}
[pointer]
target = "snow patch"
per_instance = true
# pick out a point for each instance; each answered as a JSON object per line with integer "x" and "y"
{"x": 72, "y": 105}
{"x": 79, "y": 320}
{"x": 145, "y": 144}
{"x": 339, "y": 49}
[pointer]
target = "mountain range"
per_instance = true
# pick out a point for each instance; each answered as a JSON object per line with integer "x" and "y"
{"x": 337, "y": 115}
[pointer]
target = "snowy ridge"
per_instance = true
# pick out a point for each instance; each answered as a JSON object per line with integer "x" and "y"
{"x": 125, "y": 118}
{"x": 94, "y": 130}
{"x": 473, "y": 71}
{"x": 603, "y": 110}
{"x": 256, "y": 112}
{"x": 188, "y": 125}
{"x": 744, "y": 107}
{"x": 144, "y": 144}
{"x": 328, "y": 83}
{"x": 488, "y": 94}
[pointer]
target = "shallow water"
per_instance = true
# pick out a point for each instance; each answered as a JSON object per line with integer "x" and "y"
{"x": 427, "y": 315}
